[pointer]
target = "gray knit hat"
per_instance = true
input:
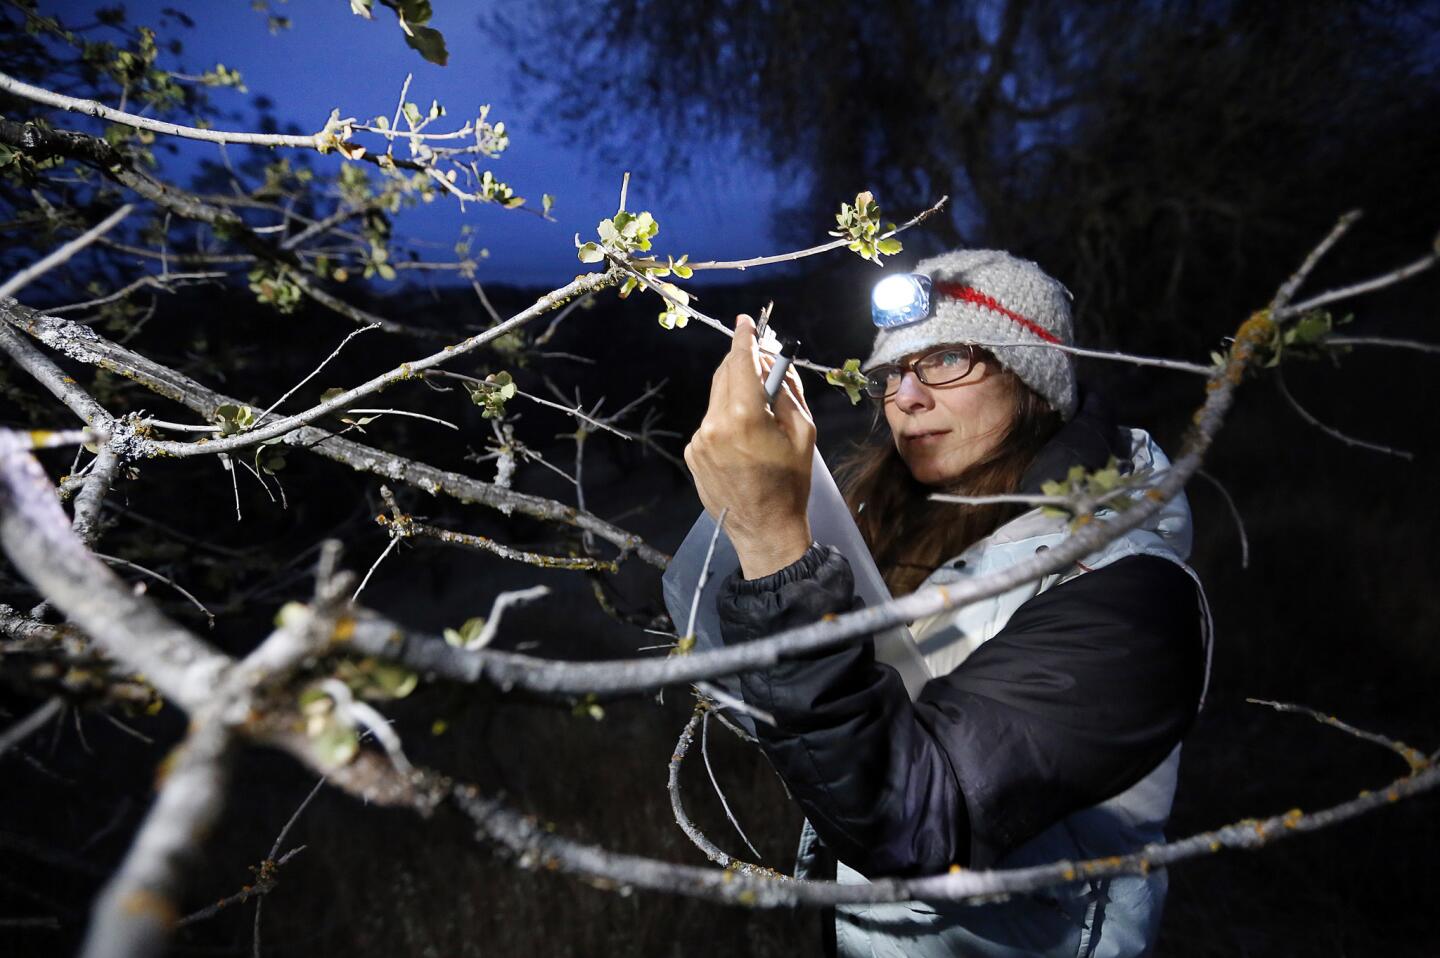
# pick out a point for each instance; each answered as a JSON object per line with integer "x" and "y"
{"x": 987, "y": 296}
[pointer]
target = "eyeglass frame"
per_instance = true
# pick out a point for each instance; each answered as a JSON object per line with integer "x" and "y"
{"x": 913, "y": 366}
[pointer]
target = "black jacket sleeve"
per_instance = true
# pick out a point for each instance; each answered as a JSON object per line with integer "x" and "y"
{"x": 1086, "y": 689}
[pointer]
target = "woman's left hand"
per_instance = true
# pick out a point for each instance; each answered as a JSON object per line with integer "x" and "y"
{"x": 752, "y": 460}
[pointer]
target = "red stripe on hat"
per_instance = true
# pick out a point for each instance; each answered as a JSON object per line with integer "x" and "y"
{"x": 969, "y": 294}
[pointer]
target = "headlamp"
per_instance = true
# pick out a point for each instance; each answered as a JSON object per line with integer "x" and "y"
{"x": 900, "y": 300}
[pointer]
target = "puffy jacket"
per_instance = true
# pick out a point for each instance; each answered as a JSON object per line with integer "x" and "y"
{"x": 1051, "y": 730}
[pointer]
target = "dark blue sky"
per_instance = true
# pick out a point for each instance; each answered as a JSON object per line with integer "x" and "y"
{"x": 331, "y": 58}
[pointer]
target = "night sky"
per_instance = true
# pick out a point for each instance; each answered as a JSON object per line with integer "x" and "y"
{"x": 331, "y": 58}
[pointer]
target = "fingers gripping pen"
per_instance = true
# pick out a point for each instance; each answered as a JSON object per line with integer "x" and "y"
{"x": 783, "y": 358}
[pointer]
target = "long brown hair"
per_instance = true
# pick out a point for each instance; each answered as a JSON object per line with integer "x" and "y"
{"x": 909, "y": 535}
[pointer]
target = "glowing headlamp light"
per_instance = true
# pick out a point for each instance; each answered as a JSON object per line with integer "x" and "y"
{"x": 900, "y": 300}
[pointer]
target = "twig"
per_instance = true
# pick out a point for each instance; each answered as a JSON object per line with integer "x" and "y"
{"x": 403, "y": 526}
{"x": 1332, "y": 431}
{"x": 1234, "y": 514}
{"x": 494, "y": 314}
{"x": 1357, "y": 289}
{"x": 1113, "y": 356}
{"x": 743, "y": 264}
{"x": 92, "y": 495}
{"x": 697, "y": 837}
{"x": 405, "y": 412}
{"x": 536, "y": 846}
{"x": 98, "y": 110}
{"x": 394, "y": 541}
{"x": 66, "y": 252}
{"x": 30, "y": 724}
{"x": 723, "y": 698}
{"x": 265, "y": 881}
{"x": 1414, "y": 344}
{"x": 715, "y": 783}
{"x": 569, "y": 308}
{"x": 355, "y": 712}
{"x": 345, "y": 400}
{"x": 1287, "y": 290}
{"x": 704, "y": 573}
{"x": 316, "y": 371}
{"x": 83, "y": 344}
{"x": 1412, "y": 757}
{"x": 159, "y": 282}
{"x": 274, "y": 850}
{"x": 136, "y": 567}
{"x": 502, "y": 602}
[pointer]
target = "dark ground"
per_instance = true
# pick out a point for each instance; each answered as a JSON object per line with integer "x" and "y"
{"x": 1337, "y": 610}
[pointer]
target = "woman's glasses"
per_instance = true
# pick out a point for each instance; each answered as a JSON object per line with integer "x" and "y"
{"x": 939, "y": 367}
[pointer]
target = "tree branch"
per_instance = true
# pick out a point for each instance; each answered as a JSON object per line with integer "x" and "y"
{"x": 83, "y": 344}
{"x": 65, "y": 253}
{"x": 36, "y": 535}
{"x": 138, "y": 908}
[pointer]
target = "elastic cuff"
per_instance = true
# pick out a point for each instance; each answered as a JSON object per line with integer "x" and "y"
{"x": 802, "y": 568}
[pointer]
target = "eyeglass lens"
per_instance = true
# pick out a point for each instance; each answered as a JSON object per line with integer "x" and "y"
{"x": 938, "y": 368}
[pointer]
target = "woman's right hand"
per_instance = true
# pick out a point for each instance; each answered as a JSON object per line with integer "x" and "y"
{"x": 752, "y": 461}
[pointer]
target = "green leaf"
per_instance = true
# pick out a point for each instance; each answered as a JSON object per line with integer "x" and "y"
{"x": 429, "y": 43}
{"x": 335, "y": 744}
{"x": 269, "y": 459}
{"x": 233, "y": 419}
{"x": 377, "y": 680}
{"x": 850, "y": 378}
{"x": 591, "y": 253}
{"x": 467, "y": 633}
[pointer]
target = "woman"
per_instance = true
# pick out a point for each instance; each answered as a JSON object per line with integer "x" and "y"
{"x": 1051, "y": 730}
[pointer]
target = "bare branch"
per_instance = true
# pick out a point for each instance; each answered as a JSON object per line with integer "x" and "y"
{"x": 408, "y": 370}
{"x": 535, "y": 847}
{"x": 53, "y": 378}
{"x": 394, "y": 541}
{"x": 1414, "y": 344}
{"x": 1234, "y": 514}
{"x": 1113, "y": 356}
{"x": 83, "y": 344}
{"x": 1331, "y": 430}
{"x": 36, "y": 535}
{"x": 1412, "y": 757}
{"x": 30, "y": 724}
{"x": 59, "y": 101}
{"x": 266, "y": 878}
{"x": 697, "y": 837}
{"x": 1287, "y": 290}
{"x": 136, "y": 912}
{"x": 715, "y": 783}
{"x": 161, "y": 282}
{"x": 1358, "y": 289}
{"x": 92, "y": 494}
{"x": 502, "y": 602}
{"x": 66, "y": 252}
{"x": 316, "y": 371}
{"x": 743, "y": 264}
{"x": 704, "y": 577}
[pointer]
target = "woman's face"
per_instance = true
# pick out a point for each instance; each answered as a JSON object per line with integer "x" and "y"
{"x": 940, "y": 431}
